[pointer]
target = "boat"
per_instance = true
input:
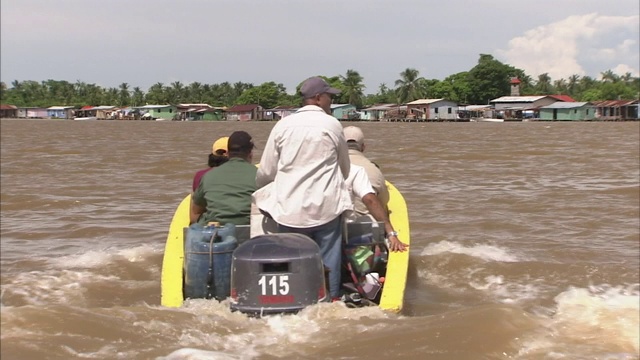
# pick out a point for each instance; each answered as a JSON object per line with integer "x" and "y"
{"x": 391, "y": 280}
{"x": 487, "y": 120}
{"x": 85, "y": 118}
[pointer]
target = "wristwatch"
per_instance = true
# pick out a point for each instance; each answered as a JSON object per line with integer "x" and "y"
{"x": 391, "y": 233}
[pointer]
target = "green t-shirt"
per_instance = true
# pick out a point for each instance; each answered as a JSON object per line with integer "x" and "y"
{"x": 226, "y": 191}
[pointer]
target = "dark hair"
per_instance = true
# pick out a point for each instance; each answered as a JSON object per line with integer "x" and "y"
{"x": 217, "y": 160}
{"x": 240, "y": 144}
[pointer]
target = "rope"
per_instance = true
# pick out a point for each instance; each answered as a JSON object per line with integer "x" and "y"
{"x": 211, "y": 282}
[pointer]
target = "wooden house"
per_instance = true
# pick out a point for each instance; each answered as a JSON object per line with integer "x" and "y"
{"x": 8, "y": 111}
{"x": 210, "y": 114}
{"x": 163, "y": 112}
{"x": 514, "y": 107}
{"x": 568, "y": 111}
{"x": 344, "y": 111}
{"x": 617, "y": 110}
{"x": 105, "y": 112}
{"x": 277, "y": 112}
{"x": 195, "y": 112}
{"x": 32, "y": 113}
{"x": 60, "y": 112}
{"x": 244, "y": 112}
{"x": 376, "y": 112}
{"x": 433, "y": 109}
{"x": 474, "y": 112}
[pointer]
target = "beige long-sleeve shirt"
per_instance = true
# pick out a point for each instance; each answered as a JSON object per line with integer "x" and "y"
{"x": 375, "y": 177}
{"x": 304, "y": 163}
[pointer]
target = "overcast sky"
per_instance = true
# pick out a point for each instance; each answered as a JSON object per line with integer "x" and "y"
{"x": 109, "y": 42}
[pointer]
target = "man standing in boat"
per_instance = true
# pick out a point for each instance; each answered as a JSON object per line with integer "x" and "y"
{"x": 224, "y": 193}
{"x": 301, "y": 178}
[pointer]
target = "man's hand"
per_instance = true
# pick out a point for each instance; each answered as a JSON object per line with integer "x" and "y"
{"x": 396, "y": 245}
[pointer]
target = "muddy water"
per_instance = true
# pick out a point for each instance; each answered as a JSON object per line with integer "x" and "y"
{"x": 525, "y": 245}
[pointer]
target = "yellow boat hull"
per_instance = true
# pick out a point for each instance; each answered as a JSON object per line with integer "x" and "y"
{"x": 396, "y": 277}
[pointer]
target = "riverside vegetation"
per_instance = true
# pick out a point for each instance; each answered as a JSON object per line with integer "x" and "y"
{"x": 487, "y": 80}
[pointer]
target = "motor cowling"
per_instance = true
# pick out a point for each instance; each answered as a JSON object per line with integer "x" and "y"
{"x": 277, "y": 273}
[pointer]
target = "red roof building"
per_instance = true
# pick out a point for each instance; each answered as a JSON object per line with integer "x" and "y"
{"x": 8, "y": 111}
{"x": 565, "y": 98}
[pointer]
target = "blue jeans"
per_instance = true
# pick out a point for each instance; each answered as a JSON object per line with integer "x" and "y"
{"x": 329, "y": 239}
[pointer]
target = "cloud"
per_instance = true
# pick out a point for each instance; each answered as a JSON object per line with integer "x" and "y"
{"x": 624, "y": 68}
{"x": 115, "y": 41}
{"x": 580, "y": 44}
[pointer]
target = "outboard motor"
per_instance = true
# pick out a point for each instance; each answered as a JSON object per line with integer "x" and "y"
{"x": 277, "y": 273}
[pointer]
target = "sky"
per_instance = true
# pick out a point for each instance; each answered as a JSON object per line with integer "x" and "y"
{"x": 109, "y": 42}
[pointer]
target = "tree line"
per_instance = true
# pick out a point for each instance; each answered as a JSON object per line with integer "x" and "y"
{"x": 488, "y": 79}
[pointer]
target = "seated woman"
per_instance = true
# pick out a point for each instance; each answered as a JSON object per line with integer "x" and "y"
{"x": 219, "y": 155}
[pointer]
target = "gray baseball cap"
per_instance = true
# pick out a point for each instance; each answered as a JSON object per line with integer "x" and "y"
{"x": 316, "y": 85}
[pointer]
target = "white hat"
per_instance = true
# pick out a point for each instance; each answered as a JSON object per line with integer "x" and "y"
{"x": 353, "y": 133}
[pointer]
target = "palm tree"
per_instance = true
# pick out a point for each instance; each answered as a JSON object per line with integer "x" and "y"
{"x": 138, "y": 97}
{"x": 124, "y": 96}
{"x": 586, "y": 82}
{"x": 353, "y": 87}
{"x": 609, "y": 76}
{"x": 176, "y": 92}
{"x": 156, "y": 94}
{"x": 572, "y": 84}
{"x": 543, "y": 86}
{"x": 408, "y": 86}
{"x": 560, "y": 85}
{"x": 194, "y": 92}
{"x": 383, "y": 89}
{"x": 627, "y": 78}
{"x": 110, "y": 96}
{"x": 3, "y": 91}
{"x": 94, "y": 94}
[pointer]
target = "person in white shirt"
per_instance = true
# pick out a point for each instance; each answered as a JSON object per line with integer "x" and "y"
{"x": 362, "y": 190}
{"x": 301, "y": 178}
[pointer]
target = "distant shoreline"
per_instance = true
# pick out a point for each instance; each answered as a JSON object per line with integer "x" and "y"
{"x": 341, "y": 120}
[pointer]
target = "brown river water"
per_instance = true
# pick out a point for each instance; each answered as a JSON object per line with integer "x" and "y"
{"x": 524, "y": 245}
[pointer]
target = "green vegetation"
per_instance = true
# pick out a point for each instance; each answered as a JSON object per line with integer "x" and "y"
{"x": 487, "y": 80}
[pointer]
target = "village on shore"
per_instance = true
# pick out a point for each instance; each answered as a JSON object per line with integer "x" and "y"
{"x": 505, "y": 108}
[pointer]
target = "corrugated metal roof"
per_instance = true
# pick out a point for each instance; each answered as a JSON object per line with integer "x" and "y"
{"x": 614, "y": 103}
{"x": 518, "y": 98}
{"x": 335, "y": 106}
{"x": 59, "y": 107}
{"x": 8, "y": 107}
{"x": 563, "y": 98}
{"x": 153, "y": 107}
{"x": 476, "y": 107}
{"x": 565, "y": 105}
{"x": 423, "y": 101}
{"x": 242, "y": 108}
{"x": 381, "y": 107}
{"x": 194, "y": 105}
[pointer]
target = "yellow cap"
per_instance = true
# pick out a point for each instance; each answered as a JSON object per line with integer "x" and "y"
{"x": 220, "y": 144}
